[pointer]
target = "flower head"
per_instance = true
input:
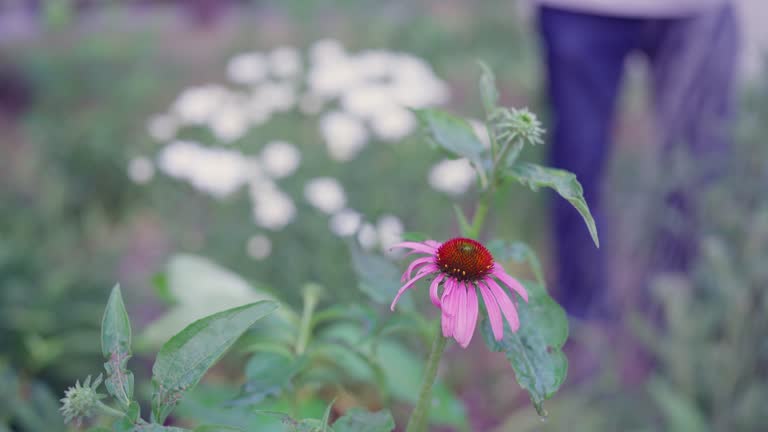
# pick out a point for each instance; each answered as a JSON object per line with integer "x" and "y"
{"x": 463, "y": 267}
{"x": 81, "y": 401}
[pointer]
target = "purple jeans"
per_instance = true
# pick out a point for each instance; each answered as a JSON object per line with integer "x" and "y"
{"x": 692, "y": 61}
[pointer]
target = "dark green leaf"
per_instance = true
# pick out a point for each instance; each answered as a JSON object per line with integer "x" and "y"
{"x": 563, "y": 182}
{"x": 454, "y": 135}
{"x": 535, "y": 351}
{"x": 488, "y": 91}
{"x": 184, "y": 359}
{"x": 359, "y": 420}
{"x": 267, "y": 375}
{"x": 378, "y": 277}
{"x": 116, "y": 347}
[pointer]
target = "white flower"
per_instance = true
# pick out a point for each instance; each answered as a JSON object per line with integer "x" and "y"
{"x": 280, "y": 159}
{"x": 452, "y": 176}
{"x": 326, "y": 50}
{"x": 195, "y": 105}
{"x": 258, "y": 247}
{"x": 162, "y": 127}
{"x": 344, "y": 135}
{"x": 390, "y": 230}
{"x": 285, "y": 62}
{"x": 272, "y": 208}
{"x": 141, "y": 170}
{"x": 326, "y": 194}
{"x": 247, "y": 68}
{"x": 330, "y": 79}
{"x": 219, "y": 172}
{"x": 345, "y": 222}
{"x": 229, "y": 123}
{"x": 393, "y": 124}
{"x": 367, "y": 236}
{"x": 366, "y": 100}
{"x": 276, "y": 96}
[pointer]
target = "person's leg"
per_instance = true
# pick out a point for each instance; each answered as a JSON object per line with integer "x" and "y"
{"x": 584, "y": 61}
{"x": 694, "y": 63}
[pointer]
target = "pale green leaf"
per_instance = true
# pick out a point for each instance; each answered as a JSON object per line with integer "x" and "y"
{"x": 377, "y": 276}
{"x": 454, "y": 135}
{"x": 198, "y": 288}
{"x": 360, "y": 420}
{"x": 563, "y": 182}
{"x": 217, "y": 428}
{"x": 680, "y": 413}
{"x": 488, "y": 91}
{"x": 116, "y": 348}
{"x": 535, "y": 350}
{"x": 184, "y": 359}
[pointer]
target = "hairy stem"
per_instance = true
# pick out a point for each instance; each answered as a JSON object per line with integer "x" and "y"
{"x": 418, "y": 420}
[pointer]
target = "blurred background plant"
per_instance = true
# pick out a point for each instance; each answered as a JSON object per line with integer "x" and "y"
{"x": 85, "y": 199}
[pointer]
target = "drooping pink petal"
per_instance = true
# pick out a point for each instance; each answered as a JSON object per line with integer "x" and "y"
{"x": 494, "y": 315}
{"x": 448, "y": 313}
{"x": 511, "y": 282}
{"x": 428, "y": 269}
{"x": 419, "y": 247}
{"x": 417, "y": 262}
{"x": 432, "y": 243}
{"x": 505, "y": 304}
{"x": 433, "y": 290}
{"x": 460, "y": 325}
{"x": 472, "y": 310}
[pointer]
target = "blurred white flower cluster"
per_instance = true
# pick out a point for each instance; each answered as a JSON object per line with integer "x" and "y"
{"x": 356, "y": 98}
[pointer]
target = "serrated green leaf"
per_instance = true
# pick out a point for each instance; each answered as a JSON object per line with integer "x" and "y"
{"x": 116, "y": 348}
{"x": 184, "y": 359}
{"x": 360, "y": 420}
{"x": 454, "y": 135}
{"x": 535, "y": 351}
{"x": 377, "y": 276}
{"x": 563, "y": 182}
{"x": 488, "y": 91}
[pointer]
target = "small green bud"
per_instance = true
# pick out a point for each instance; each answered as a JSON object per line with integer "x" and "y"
{"x": 80, "y": 402}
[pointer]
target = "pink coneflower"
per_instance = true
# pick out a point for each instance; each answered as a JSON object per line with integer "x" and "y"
{"x": 462, "y": 266}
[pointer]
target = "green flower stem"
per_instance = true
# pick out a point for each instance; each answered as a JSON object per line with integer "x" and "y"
{"x": 478, "y": 219}
{"x": 418, "y": 420}
{"x": 311, "y": 297}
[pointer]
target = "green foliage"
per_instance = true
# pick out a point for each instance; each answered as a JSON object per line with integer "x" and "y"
{"x": 378, "y": 277}
{"x": 455, "y": 136}
{"x": 185, "y": 358}
{"x": 535, "y": 351}
{"x": 116, "y": 347}
{"x": 563, "y": 182}
{"x": 358, "y": 420}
